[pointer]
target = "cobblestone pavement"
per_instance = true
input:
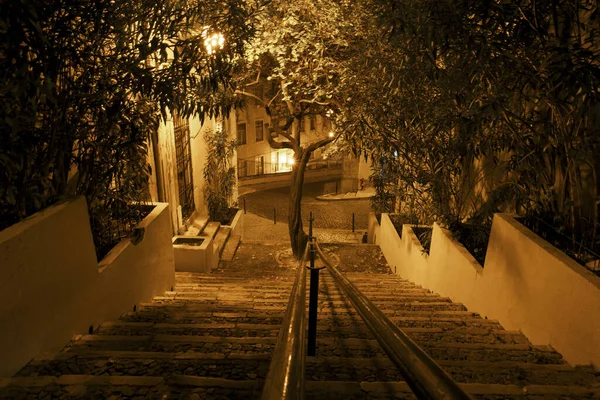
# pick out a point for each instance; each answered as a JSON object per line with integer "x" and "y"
{"x": 327, "y": 214}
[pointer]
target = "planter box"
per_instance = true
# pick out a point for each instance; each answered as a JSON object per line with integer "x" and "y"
{"x": 237, "y": 224}
{"x": 53, "y": 287}
{"x": 526, "y": 284}
{"x": 194, "y": 254}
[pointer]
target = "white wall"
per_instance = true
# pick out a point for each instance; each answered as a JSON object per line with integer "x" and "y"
{"x": 51, "y": 286}
{"x": 562, "y": 297}
{"x": 526, "y": 284}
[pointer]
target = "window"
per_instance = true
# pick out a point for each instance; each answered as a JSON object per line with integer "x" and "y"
{"x": 260, "y": 165}
{"x": 242, "y": 170}
{"x": 313, "y": 123}
{"x": 184, "y": 165}
{"x": 259, "y": 129}
{"x": 301, "y": 125}
{"x": 241, "y": 134}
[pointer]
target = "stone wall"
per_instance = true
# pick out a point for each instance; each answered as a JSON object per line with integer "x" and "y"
{"x": 52, "y": 287}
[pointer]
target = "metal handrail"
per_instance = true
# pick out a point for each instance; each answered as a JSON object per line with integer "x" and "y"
{"x": 424, "y": 376}
{"x": 285, "y": 379}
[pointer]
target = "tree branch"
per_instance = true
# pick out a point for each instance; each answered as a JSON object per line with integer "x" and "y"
{"x": 250, "y": 95}
{"x": 285, "y": 95}
{"x": 290, "y": 144}
{"x": 316, "y": 145}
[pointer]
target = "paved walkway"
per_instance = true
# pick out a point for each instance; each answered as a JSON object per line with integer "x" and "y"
{"x": 327, "y": 214}
{"x": 367, "y": 193}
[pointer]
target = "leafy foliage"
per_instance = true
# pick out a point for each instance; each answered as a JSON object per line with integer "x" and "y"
{"x": 485, "y": 106}
{"x": 83, "y": 85}
{"x": 298, "y": 56}
{"x": 219, "y": 174}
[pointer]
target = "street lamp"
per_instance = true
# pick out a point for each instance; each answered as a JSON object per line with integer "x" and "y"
{"x": 213, "y": 42}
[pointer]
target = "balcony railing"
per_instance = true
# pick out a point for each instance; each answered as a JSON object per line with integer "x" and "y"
{"x": 251, "y": 167}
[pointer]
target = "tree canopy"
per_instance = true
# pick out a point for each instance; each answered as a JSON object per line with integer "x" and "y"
{"x": 461, "y": 95}
{"x": 83, "y": 84}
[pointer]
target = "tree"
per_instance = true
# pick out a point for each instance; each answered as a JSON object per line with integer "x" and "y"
{"x": 83, "y": 85}
{"x": 498, "y": 96}
{"x": 299, "y": 49}
{"x": 219, "y": 175}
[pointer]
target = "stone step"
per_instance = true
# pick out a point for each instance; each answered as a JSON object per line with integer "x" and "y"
{"x": 222, "y": 298}
{"x": 207, "y": 294}
{"x": 231, "y": 248}
{"x": 221, "y": 238}
{"x": 366, "y": 348}
{"x": 507, "y": 372}
{"x": 325, "y": 347}
{"x": 104, "y": 387}
{"x": 234, "y": 306}
{"x": 423, "y": 319}
{"x": 345, "y": 329}
{"x": 202, "y": 317}
{"x": 213, "y": 365}
{"x": 216, "y": 278}
{"x": 220, "y": 295}
{"x": 340, "y": 390}
{"x": 207, "y": 329}
{"x": 172, "y": 343}
{"x": 210, "y": 230}
{"x": 250, "y": 286}
{"x": 420, "y": 334}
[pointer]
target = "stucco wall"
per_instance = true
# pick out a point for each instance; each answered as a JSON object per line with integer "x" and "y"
{"x": 526, "y": 284}
{"x": 51, "y": 286}
{"x": 562, "y": 297}
{"x": 373, "y": 229}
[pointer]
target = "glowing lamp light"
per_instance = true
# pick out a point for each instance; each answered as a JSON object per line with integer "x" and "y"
{"x": 331, "y": 134}
{"x": 292, "y": 161}
{"x": 213, "y": 42}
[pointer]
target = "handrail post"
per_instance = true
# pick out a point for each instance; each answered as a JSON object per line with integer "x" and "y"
{"x": 313, "y": 303}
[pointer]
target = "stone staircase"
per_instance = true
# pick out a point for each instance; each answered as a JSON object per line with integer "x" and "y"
{"x": 488, "y": 361}
{"x": 213, "y": 335}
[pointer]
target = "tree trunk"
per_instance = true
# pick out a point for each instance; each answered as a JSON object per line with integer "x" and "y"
{"x": 298, "y": 238}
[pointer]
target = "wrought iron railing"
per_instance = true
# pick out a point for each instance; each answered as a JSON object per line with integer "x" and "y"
{"x": 116, "y": 222}
{"x": 285, "y": 379}
{"x": 251, "y": 167}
